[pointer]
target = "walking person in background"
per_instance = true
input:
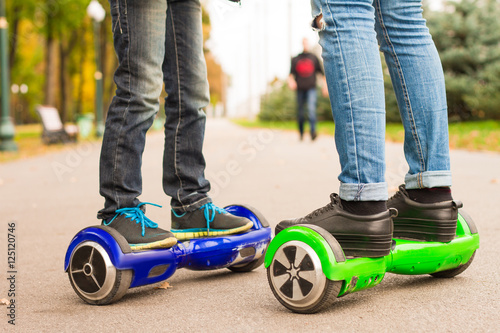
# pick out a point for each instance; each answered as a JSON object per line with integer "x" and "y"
{"x": 302, "y": 78}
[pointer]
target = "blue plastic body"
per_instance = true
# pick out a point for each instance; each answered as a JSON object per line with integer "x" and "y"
{"x": 196, "y": 254}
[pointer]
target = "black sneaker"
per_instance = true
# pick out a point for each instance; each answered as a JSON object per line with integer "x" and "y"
{"x": 359, "y": 235}
{"x": 207, "y": 221}
{"x": 140, "y": 232}
{"x": 424, "y": 221}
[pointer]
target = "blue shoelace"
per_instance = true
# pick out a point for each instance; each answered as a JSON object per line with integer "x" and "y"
{"x": 137, "y": 216}
{"x": 210, "y": 210}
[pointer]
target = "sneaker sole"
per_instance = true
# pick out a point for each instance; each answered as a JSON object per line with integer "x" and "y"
{"x": 425, "y": 230}
{"x": 368, "y": 246}
{"x": 365, "y": 246}
{"x": 162, "y": 244}
{"x": 187, "y": 234}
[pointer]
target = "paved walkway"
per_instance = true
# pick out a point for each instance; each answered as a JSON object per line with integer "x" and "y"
{"x": 53, "y": 196}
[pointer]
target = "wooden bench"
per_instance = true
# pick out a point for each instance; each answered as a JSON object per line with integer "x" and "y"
{"x": 53, "y": 129}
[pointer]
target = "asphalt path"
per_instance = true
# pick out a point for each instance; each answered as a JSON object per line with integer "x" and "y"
{"x": 51, "y": 197}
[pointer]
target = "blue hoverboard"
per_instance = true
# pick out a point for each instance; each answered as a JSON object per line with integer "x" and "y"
{"x": 101, "y": 265}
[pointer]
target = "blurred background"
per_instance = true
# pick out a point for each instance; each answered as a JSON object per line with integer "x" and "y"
{"x": 60, "y": 53}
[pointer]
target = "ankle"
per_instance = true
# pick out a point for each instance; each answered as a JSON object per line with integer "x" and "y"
{"x": 430, "y": 195}
{"x": 364, "y": 207}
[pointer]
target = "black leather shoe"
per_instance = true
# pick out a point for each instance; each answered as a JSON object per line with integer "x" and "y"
{"x": 423, "y": 221}
{"x": 359, "y": 235}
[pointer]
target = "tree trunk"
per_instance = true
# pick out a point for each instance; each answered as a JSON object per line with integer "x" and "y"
{"x": 62, "y": 82}
{"x": 81, "y": 82}
{"x": 14, "y": 32}
{"x": 49, "y": 89}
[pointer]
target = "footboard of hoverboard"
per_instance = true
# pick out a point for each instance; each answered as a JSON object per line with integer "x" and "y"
{"x": 102, "y": 267}
{"x": 307, "y": 269}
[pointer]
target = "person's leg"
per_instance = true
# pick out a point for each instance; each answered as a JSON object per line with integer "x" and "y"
{"x": 301, "y": 100}
{"x": 355, "y": 83}
{"x": 311, "y": 110}
{"x": 418, "y": 81}
{"x": 426, "y": 209}
{"x": 139, "y": 30}
{"x": 139, "y": 34}
{"x": 359, "y": 218}
{"x": 185, "y": 77}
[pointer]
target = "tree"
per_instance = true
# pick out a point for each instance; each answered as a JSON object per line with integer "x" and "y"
{"x": 63, "y": 20}
{"x": 52, "y": 52}
{"x": 25, "y": 54}
{"x": 467, "y": 36}
{"x": 280, "y": 104}
{"x": 216, "y": 77}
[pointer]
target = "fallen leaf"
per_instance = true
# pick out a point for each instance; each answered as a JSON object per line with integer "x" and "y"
{"x": 164, "y": 285}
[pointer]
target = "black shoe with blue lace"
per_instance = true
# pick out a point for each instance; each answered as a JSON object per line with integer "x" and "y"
{"x": 207, "y": 221}
{"x": 140, "y": 232}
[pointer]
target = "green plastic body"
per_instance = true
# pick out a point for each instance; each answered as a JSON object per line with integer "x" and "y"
{"x": 406, "y": 257}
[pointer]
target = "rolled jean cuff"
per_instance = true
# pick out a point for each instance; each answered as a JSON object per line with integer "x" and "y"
{"x": 363, "y": 192}
{"x": 190, "y": 207}
{"x": 428, "y": 179}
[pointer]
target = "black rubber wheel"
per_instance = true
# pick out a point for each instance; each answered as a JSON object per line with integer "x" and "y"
{"x": 248, "y": 266}
{"x": 455, "y": 271}
{"x": 297, "y": 279}
{"x": 93, "y": 276}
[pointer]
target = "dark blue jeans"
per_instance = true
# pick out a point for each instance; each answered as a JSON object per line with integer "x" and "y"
{"x": 306, "y": 98}
{"x": 156, "y": 41}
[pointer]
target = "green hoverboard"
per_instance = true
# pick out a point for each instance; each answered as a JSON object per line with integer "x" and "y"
{"x": 307, "y": 269}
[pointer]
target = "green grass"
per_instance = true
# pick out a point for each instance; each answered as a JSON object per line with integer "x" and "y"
{"x": 480, "y": 135}
{"x": 484, "y": 135}
{"x": 29, "y": 143}
{"x": 28, "y": 131}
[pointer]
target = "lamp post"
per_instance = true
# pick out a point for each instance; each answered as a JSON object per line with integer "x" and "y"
{"x": 19, "y": 91}
{"x": 97, "y": 13}
{"x": 6, "y": 126}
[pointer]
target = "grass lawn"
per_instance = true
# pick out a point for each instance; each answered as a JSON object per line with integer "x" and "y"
{"x": 29, "y": 143}
{"x": 484, "y": 135}
{"x": 480, "y": 135}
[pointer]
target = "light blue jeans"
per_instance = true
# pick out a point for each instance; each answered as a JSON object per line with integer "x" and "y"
{"x": 350, "y": 35}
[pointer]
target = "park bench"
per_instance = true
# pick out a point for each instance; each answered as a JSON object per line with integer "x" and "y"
{"x": 53, "y": 129}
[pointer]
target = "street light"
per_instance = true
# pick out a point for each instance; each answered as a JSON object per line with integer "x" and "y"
{"x": 97, "y": 13}
{"x": 6, "y": 126}
{"x": 19, "y": 91}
